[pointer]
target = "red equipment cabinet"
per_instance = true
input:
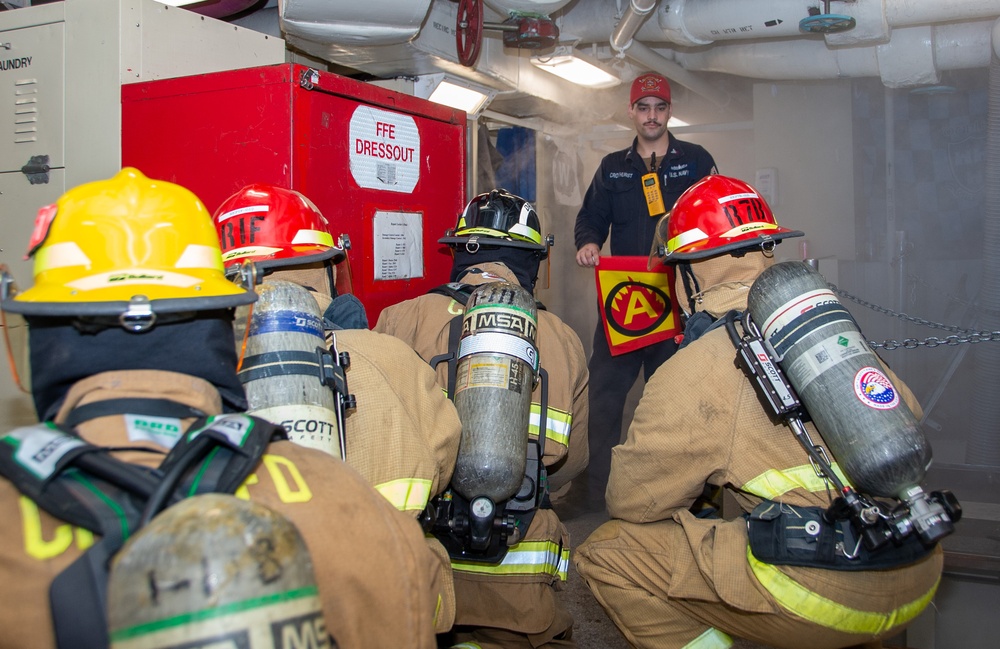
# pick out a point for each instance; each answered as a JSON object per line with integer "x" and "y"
{"x": 385, "y": 168}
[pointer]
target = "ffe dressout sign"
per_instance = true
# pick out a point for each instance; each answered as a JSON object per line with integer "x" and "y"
{"x": 385, "y": 150}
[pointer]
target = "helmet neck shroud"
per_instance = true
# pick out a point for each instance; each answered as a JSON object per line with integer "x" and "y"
{"x": 62, "y": 354}
{"x": 522, "y": 262}
{"x": 720, "y": 283}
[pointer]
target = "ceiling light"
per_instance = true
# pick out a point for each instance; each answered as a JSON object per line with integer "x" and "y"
{"x": 573, "y": 66}
{"x": 456, "y": 93}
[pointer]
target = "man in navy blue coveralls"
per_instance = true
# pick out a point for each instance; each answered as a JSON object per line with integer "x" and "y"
{"x": 615, "y": 202}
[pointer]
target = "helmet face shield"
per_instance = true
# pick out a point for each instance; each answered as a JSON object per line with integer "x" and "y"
{"x": 658, "y": 250}
{"x": 494, "y": 217}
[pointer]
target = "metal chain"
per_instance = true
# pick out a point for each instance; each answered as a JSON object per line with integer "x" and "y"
{"x": 959, "y": 334}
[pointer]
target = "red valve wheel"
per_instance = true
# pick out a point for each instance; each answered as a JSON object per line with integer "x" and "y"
{"x": 469, "y": 31}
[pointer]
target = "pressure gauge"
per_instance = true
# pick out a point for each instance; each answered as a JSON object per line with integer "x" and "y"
{"x": 482, "y": 507}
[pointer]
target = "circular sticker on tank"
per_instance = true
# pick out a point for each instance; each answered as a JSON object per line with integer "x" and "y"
{"x": 875, "y": 389}
{"x": 384, "y": 150}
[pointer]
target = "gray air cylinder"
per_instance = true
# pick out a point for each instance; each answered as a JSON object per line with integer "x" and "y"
{"x": 497, "y": 366}
{"x": 872, "y": 434}
{"x": 280, "y": 369}
{"x": 215, "y": 571}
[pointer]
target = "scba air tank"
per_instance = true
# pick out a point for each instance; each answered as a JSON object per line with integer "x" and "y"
{"x": 214, "y": 570}
{"x": 871, "y": 432}
{"x": 497, "y": 366}
{"x": 281, "y": 371}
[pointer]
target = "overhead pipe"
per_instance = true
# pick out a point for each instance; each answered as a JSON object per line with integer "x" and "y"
{"x": 509, "y": 7}
{"x": 701, "y": 22}
{"x": 914, "y": 57}
{"x": 633, "y": 18}
{"x": 373, "y": 22}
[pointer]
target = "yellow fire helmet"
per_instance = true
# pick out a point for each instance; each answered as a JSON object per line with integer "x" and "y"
{"x": 128, "y": 247}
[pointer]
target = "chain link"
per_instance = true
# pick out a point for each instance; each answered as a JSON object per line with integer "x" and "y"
{"x": 959, "y": 334}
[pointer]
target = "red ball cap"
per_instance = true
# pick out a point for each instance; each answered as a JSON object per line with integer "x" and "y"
{"x": 650, "y": 85}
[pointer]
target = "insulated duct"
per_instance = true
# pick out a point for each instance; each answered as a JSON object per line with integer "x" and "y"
{"x": 915, "y": 56}
{"x": 755, "y": 40}
{"x": 983, "y": 447}
{"x": 543, "y": 7}
{"x": 372, "y": 22}
{"x": 690, "y": 23}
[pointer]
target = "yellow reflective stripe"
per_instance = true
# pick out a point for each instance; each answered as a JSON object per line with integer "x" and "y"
{"x": 797, "y": 599}
{"x": 558, "y": 423}
{"x": 774, "y": 482}
{"x": 467, "y": 645}
{"x": 406, "y": 494}
{"x": 525, "y": 558}
{"x": 710, "y": 639}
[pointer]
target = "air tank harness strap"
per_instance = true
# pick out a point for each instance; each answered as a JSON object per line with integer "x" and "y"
{"x": 700, "y": 323}
{"x": 84, "y": 485}
{"x": 785, "y": 535}
{"x": 148, "y": 407}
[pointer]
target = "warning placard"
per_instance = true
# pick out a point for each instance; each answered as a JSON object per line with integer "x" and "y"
{"x": 384, "y": 150}
{"x": 399, "y": 245}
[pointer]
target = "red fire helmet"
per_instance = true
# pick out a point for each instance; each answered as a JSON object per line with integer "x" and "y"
{"x": 273, "y": 227}
{"x": 717, "y": 215}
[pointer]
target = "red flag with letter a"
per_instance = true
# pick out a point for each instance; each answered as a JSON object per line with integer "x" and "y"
{"x": 637, "y": 306}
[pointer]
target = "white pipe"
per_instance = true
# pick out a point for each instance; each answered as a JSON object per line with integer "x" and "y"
{"x": 633, "y": 18}
{"x": 709, "y": 21}
{"x": 700, "y": 22}
{"x": 996, "y": 37}
{"x": 543, "y": 7}
{"x": 371, "y": 22}
{"x": 812, "y": 59}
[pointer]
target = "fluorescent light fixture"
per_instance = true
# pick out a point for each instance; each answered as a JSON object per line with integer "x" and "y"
{"x": 454, "y": 92}
{"x": 676, "y": 123}
{"x": 571, "y": 65}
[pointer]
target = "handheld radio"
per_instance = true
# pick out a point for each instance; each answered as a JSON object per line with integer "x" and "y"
{"x": 651, "y": 189}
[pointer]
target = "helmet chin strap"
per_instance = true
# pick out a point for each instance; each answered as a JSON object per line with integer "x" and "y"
{"x": 331, "y": 277}
{"x": 691, "y": 286}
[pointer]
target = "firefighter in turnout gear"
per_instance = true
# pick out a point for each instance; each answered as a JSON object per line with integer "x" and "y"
{"x": 133, "y": 367}
{"x": 511, "y": 602}
{"x": 670, "y": 577}
{"x": 403, "y": 436}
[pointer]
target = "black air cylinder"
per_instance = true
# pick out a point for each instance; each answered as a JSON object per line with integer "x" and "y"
{"x": 871, "y": 433}
{"x": 497, "y": 366}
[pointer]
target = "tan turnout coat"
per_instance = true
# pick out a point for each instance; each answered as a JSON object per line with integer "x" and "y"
{"x": 379, "y": 584}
